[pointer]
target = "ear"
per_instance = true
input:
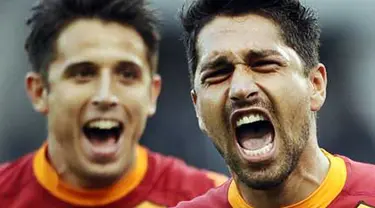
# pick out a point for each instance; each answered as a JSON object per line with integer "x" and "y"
{"x": 194, "y": 98}
{"x": 155, "y": 92}
{"x": 318, "y": 81}
{"x": 37, "y": 92}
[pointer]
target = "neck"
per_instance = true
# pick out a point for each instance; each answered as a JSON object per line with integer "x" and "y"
{"x": 68, "y": 174}
{"x": 303, "y": 181}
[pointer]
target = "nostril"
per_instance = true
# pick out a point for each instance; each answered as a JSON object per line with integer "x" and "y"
{"x": 252, "y": 94}
{"x": 113, "y": 101}
{"x": 95, "y": 102}
{"x": 243, "y": 95}
{"x": 110, "y": 101}
{"x": 234, "y": 98}
{"x": 112, "y": 104}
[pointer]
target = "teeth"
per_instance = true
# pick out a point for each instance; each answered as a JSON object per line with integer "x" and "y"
{"x": 103, "y": 124}
{"x": 250, "y": 119}
{"x": 259, "y": 152}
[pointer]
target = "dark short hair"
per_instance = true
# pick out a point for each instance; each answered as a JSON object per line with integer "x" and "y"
{"x": 50, "y": 17}
{"x": 298, "y": 25}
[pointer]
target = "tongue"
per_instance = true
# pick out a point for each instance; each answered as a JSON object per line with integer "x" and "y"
{"x": 99, "y": 141}
{"x": 255, "y": 136}
{"x": 256, "y": 143}
{"x": 101, "y": 146}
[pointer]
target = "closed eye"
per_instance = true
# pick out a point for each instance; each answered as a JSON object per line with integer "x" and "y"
{"x": 265, "y": 65}
{"x": 213, "y": 76}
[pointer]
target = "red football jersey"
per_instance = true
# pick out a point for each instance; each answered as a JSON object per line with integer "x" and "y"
{"x": 154, "y": 181}
{"x": 348, "y": 184}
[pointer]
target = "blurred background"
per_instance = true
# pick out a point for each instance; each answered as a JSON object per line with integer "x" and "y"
{"x": 346, "y": 123}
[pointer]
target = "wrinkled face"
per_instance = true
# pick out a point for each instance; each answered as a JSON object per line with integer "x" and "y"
{"x": 253, "y": 99}
{"x": 101, "y": 93}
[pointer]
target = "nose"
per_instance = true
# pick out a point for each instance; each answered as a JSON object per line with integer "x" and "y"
{"x": 243, "y": 87}
{"x": 105, "y": 101}
{"x": 104, "y": 98}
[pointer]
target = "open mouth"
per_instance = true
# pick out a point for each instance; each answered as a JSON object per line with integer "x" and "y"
{"x": 102, "y": 139}
{"x": 103, "y": 131}
{"x": 255, "y": 135}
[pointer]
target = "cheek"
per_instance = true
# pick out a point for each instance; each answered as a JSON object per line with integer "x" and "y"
{"x": 287, "y": 90}
{"x": 136, "y": 110}
{"x": 291, "y": 103}
{"x": 67, "y": 102}
{"x": 136, "y": 102}
{"x": 297, "y": 96}
{"x": 213, "y": 112}
{"x": 64, "y": 110}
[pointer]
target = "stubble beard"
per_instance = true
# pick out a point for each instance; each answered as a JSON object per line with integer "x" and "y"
{"x": 272, "y": 175}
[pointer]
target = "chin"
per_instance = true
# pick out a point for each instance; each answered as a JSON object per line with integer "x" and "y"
{"x": 264, "y": 181}
{"x": 263, "y": 176}
{"x": 103, "y": 173}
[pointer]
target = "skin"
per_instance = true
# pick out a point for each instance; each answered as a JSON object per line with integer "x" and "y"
{"x": 258, "y": 71}
{"x": 100, "y": 71}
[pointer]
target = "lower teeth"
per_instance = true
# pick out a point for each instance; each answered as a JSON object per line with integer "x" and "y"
{"x": 258, "y": 152}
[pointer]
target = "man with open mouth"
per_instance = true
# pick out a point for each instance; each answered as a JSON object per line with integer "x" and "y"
{"x": 257, "y": 86}
{"x": 95, "y": 79}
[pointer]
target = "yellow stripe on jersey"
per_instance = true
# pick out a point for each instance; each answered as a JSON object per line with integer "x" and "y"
{"x": 49, "y": 179}
{"x": 217, "y": 178}
{"x": 322, "y": 197}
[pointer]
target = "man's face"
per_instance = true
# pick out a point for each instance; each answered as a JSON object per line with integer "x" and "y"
{"x": 253, "y": 99}
{"x": 101, "y": 92}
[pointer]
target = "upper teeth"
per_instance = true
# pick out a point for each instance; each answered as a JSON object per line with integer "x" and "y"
{"x": 250, "y": 119}
{"x": 103, "y": 124}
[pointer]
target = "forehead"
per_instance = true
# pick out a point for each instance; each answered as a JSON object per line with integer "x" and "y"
{"x": 95, "y": 40}
{"x": 237, "y": 34}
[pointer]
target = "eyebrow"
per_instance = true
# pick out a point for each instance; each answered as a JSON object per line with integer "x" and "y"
{"x": 256, "y": 54}
{"x": 224, "y": 59}
{"x": 220, "y": 60}
{"x": 76, "y": 65}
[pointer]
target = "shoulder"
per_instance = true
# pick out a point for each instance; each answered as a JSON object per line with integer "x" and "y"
{"x": 216, "y": 197}
{"x": 175, "y": 176}
{"x": 360, "y": 178}
{"x": 14, "y": 175}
